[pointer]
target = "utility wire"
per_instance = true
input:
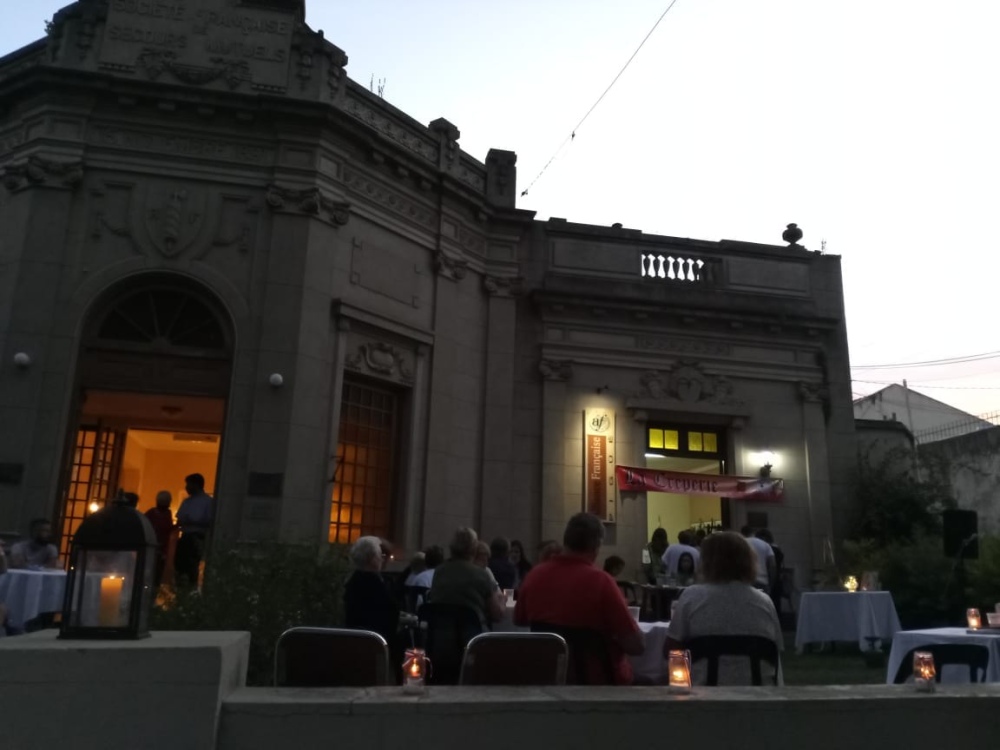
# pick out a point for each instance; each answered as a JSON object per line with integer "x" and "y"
{"x": 572, "y": 135}
{"x": 931, "y": 362}
{"x": 923, "y": 385}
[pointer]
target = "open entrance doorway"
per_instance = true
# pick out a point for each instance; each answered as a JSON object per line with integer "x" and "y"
{"x": 154, "y": 378}
{"x": 691, "y": 450}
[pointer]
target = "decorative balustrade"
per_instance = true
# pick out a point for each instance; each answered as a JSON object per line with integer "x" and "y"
{"x": 680, "y": 268}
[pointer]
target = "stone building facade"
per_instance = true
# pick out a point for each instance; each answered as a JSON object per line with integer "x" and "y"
{"x": 219, "y": 251}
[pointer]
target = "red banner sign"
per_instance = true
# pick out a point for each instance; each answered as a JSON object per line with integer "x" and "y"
{"x": 632, "y": 479}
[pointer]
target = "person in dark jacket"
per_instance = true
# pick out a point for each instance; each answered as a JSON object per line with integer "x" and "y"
{"x": 500, "y": 565}
{"x": 520, "y": 561}
{"x": 368, "y": 604}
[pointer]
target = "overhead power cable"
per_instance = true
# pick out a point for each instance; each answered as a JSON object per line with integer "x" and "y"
{"x": 572, "y": 135}
{"x": 931, "y": 362}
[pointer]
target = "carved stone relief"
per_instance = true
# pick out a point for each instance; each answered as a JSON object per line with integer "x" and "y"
{"x": 556, "y": 369}
{"x": 39, "y": 171}
{"x": 813, "y": 392}
{"x": 687, "y": 383}
{"x": 502, "y": 286}
{"x": 173, "y": 219}
{"x": 308, "y": 201}
{"x": 450, "y": 268}
{"x": 382, "y": 360}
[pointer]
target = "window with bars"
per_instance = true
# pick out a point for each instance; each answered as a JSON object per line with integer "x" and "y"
{"x": 93, "y": 474}
{"x": 365, "y": 479}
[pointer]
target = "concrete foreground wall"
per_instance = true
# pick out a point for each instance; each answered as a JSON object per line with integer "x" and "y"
{"x": 185, "y": 690}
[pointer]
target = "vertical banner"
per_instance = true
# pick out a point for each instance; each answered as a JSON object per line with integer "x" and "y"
{"x": 600, "y": 492}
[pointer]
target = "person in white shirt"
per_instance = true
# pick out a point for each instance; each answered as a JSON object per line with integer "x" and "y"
{"x": 767, "y": 568}
{"x": 433, "y": 556}
{"x": 685, "y": 545}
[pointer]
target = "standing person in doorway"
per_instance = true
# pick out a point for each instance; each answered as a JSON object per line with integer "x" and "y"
{"x": 161, "y": 518}
{"x": 194, "y": 518}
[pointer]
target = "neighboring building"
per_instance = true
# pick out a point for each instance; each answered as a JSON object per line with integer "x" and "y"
{"x": 925, "y": 417}
{"x": 970, "y": 466}
{"x": 884, "y": 443}
{"x": 220, "y": 254}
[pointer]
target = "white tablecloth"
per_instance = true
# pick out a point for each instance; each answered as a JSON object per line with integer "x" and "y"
{"x": 907, "y": 640}
{"x": 29, "y": 593}
{"x": 843, "y": 616}
{"x": 650, "y": 664}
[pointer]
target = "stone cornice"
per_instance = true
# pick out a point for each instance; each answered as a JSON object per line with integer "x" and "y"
{"x": 451, "y": 268}
{"x": 556, "y": 369}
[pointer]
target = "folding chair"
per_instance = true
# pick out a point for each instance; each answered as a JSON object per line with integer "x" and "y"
{"x": 331, "y": 657}
{"x": 515, "y": 659}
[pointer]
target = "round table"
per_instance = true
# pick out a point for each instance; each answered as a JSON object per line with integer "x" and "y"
{"x": 30, "y": 593}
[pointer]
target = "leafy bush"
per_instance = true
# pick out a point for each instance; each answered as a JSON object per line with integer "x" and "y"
{"x": 984, "y": 575}
{"x": 264, "y": 590}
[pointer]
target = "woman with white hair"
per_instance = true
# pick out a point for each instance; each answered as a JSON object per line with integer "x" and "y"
{"x": 368, "y": 605}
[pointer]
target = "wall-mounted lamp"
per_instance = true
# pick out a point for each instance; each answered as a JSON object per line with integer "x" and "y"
{"x": 603, "y": 388}
{"x": 766, "y": 460}
{"x": 276, "y": 380}
{"x": 22, "y": 360}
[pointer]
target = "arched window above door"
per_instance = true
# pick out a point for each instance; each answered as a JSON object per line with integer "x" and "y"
{"x": 163, "y": 319}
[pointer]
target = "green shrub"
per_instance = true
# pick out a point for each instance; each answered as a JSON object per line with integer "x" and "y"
{"x": 984, "y": 575}
{"x": 928, "y": 588}
{"x": 264, "y": 590}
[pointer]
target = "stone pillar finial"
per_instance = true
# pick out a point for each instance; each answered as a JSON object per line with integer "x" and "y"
{"x": 501, "y": 178}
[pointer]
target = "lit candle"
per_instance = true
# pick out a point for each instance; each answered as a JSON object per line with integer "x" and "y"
{"x": 679, "y": 670}
{"x": 413, "y": 669}
{"x": 109, "y": 610}
{"x": 973, "y": 618}
{"x": 924, "y": 672}
{"x": 851, "y": 584}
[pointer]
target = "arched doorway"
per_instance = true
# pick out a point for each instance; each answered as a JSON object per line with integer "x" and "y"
{"x": 153, "y": 381}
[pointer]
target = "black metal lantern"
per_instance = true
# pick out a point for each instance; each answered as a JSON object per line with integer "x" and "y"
{"x": 109, "y": 589}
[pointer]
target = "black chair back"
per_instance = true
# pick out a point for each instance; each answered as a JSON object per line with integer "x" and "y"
{"x": 976, "y": 658}
{"x": 630, "y": 592}
{"x": 754, "y": 647}
{"x": 449, "y": 627}
{"x": 515, "y": 659}
{"x": 331, "y": 657}
{"x": 587, "y": 649}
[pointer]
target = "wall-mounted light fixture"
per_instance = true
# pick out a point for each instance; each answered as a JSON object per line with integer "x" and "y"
{"x": 602, "y": 389}
{"x": 276, "y": 380}
{"x": 22, "y": 360}
{"x": 765, "y": 460}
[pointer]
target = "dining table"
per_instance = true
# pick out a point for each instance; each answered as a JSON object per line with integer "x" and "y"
{"x": 29, "y": 593}
{"x": 865, "y": 617}
{"x": 906, "y": 641}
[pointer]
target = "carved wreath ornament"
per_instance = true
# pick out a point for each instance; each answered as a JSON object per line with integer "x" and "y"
{"x": 381, "y": 359}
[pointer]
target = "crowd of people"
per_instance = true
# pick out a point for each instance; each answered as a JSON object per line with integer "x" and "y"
{"x": 730, "y": 581}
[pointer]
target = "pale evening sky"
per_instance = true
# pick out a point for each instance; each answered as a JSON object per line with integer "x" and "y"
{"x": 870, "y": 123}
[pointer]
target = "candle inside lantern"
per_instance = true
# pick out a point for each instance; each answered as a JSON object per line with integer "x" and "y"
{"x": 679, "y": 670}
{"x": 924, "y": 672}
{"x": 109, "y": 609}
{"x": 851, "y": 584}
{"x": 973, "y": 618}
{"x": 413, "y": 671}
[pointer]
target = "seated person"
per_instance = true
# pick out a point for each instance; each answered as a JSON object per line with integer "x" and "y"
{"x": 725, "y": 603}
{"x": 548, "y": 549}
{"x": 433, "y": 556}
{"x": 368, "y": 604}
{"x": 417, "y": 566}
{"x": 685, "y": 569}
{"x": 482, "y": 559}
{"x": 522, "y": 566}
{"x": 684, "y": 546}
{"x": 614, "y": 566}
{"x": 38, "y": 551}
{"x": 460, "y": 581}
{"x": 570, "y": 591}
{"x": 500, "y": 565}
{"x": 652, "y": 556}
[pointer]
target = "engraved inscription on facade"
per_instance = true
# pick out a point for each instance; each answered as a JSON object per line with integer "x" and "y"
{"x": 193, "y": 40}
{"x": 180, "y": 144}
{"x": 683, "y": 346}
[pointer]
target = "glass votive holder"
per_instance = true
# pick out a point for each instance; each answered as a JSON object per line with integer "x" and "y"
{"x": 414, "y": 671}
{"x": 993, "y": 619}
{"x": 973, "y": 618}
{"x": 679, "y": 672}
{"x": 924, "y": 671}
